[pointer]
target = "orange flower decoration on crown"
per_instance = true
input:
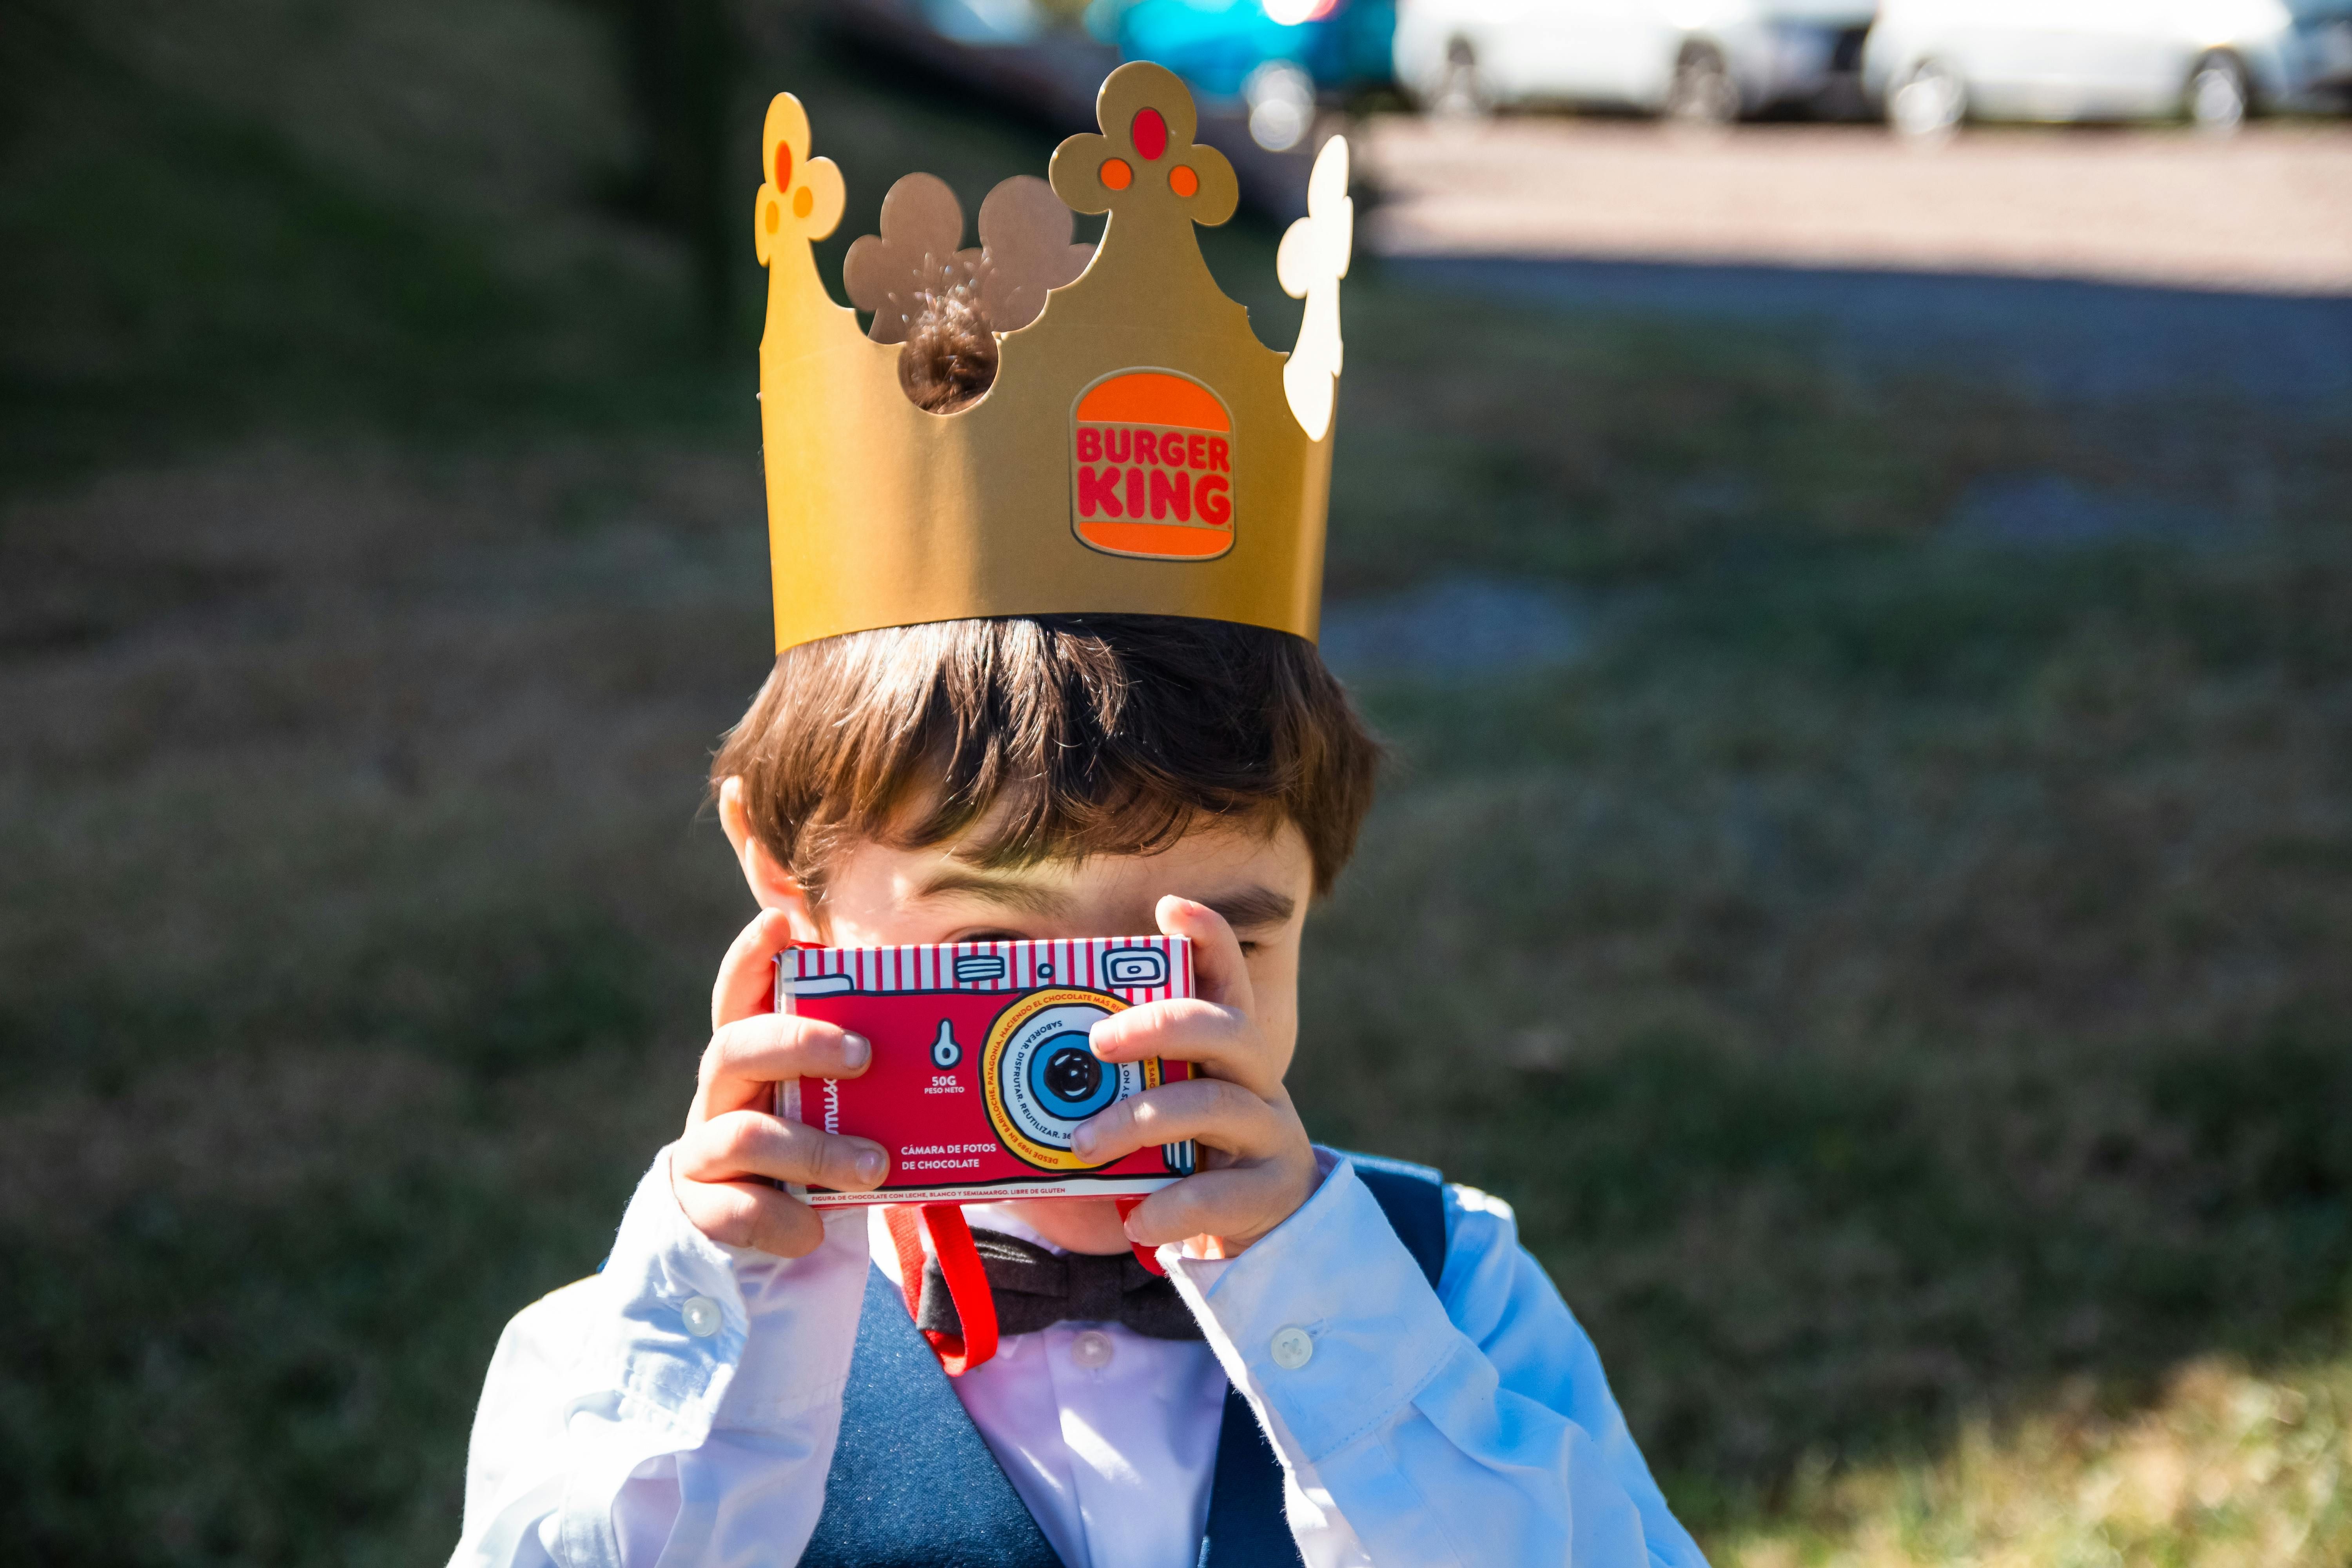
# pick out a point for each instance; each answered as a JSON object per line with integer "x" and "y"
{"x": 804, "y": 196}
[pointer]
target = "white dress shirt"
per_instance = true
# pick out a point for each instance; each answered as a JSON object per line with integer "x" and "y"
{"x": 681, "y": 1407}
{"x": 1109, "y": 1437}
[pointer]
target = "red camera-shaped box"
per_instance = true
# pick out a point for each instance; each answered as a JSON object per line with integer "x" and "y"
{"x": 982, "y": 1067}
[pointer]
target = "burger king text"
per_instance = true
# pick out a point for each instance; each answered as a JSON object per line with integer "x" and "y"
{"x": 1161, "y": 472}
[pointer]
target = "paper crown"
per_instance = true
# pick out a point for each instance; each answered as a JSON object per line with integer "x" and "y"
{"x": 1138, "y": 450}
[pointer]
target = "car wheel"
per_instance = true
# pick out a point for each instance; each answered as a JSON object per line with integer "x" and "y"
{"x": 1703, "y": 92}
{"x": 1461, "y": 87}
{"x": 1929, "y": 104}
{"x": 2218, "y": 96}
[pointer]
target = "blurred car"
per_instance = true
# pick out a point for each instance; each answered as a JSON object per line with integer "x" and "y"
{"x": 1217, "y": 45}
{"x": 1697, "y": 59}
{"x": 1936, "y": 62}
{"x": 1278, "y": 55}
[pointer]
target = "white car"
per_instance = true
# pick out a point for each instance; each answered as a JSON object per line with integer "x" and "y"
{"x": 1936, "y": 62}
{"x": 1701, "y": 59}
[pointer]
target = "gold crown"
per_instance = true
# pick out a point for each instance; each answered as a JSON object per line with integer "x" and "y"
{"x": 1138, "y": 450}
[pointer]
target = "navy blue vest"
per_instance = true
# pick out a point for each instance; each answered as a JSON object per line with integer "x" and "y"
{"x": 914, "y": 1485}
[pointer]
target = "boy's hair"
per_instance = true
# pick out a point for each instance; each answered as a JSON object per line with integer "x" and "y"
{"x": 1054, "y": 736}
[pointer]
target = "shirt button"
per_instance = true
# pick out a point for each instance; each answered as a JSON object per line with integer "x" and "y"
{"x": 702, "y": 1316}
{"x": 1091, "y": 1348}
{"x": 1293, "y": 1348}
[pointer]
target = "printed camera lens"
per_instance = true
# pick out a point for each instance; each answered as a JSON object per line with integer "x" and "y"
{"x": 1073, "y": 1073}
{"x": 1047, "y": 1076}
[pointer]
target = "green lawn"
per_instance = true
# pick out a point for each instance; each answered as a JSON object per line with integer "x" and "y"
{"x": 1897, "y": 978}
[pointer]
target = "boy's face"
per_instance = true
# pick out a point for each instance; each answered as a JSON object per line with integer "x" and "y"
{"x": 1243, "y": 1032}
{"x": 1260, "y": 882}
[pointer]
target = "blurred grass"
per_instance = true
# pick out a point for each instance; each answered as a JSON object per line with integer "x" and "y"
{"x": 1897, "y": 976}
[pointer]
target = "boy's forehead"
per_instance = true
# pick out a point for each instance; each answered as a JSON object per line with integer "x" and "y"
{"x": 1250, "y": 876}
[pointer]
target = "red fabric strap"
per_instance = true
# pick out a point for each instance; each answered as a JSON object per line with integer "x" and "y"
{"x": 967, "y": 1288}
{"x": 907, "y": 1238}
{"x": 1146, "y": 1255}
{"x": 967, "y": 1281}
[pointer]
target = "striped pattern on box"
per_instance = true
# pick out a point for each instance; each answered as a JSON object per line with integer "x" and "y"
{"x": 1136, "y": 969}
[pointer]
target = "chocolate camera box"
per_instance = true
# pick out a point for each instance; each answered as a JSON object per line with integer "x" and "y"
{"x": 982, "y": 1067}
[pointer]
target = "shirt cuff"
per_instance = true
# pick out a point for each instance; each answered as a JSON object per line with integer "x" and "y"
{"x": 1374, "y": 1333}
{"x": 676, "y": 1329}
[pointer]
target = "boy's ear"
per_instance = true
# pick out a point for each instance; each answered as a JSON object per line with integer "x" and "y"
{"x": 771, "y": 884}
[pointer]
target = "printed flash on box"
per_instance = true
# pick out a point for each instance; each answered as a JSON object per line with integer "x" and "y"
{"x": 982, "y": 1069}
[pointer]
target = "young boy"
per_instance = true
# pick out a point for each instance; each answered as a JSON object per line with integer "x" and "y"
{"x": 1347, "y": 1362}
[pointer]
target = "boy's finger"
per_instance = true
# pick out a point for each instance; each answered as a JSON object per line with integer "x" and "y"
{"x": 1221, "y": 1114}
{"x": 749, "y": 1214}
{"x": 1188, "y": 1029}
{"x": 1219, "y": 974}
{"x": 747, "y": 976}
{"x": 1236, "y": 1203}
{"x": 750, "y": 1143}
{"x": 747, "y": 1058}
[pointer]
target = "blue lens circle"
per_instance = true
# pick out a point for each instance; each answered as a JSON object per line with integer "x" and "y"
{"x": 1067, "y": 1082}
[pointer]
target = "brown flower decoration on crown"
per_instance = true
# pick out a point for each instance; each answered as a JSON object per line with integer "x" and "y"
{"x": 948, "y": 305}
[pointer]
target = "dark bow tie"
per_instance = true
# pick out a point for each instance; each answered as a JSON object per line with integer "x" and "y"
{"x": 1035, "y": 1289}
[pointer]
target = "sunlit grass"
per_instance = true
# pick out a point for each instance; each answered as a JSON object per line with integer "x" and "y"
{"x": 2226, "y": 1469}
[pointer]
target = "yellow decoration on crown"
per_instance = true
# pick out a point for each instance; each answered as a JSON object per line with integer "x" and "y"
{"x": 1138, "y": 451}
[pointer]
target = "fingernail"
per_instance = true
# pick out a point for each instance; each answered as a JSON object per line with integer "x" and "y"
{"x": 870, "y": 1165}
{"x": 856, "y": 1050}
{"x": 1084, "y": 1140}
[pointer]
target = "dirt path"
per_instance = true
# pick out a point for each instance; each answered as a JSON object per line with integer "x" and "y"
{"x": 2268, "y": 211}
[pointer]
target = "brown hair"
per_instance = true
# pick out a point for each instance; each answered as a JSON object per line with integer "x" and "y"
{"x": 1057, "y": 736}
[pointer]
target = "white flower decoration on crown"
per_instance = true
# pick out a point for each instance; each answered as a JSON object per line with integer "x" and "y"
{"x": 1312, "y": 260}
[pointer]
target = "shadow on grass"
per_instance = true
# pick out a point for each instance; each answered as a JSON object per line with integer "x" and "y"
{"x": 1790, "y": 1260}
{"x": 1895, "y": 984}
{"x": 195, "y": 1380}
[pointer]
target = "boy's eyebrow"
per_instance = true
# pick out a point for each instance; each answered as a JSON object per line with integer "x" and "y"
{"x": 1253, "y": 907}
{"x": 1244, "y": 909}
{"x": 1029, "y": 898}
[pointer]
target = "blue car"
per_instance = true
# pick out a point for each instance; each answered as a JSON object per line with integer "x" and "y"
{"x": 1223, "y": 46}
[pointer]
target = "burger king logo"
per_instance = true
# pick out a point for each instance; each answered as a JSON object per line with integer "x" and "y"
{"x": 1151, "y": 468}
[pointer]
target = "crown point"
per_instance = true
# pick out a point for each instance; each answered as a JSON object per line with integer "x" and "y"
{"x": 1146, "y": 115}
{"x": 808, "y": 188}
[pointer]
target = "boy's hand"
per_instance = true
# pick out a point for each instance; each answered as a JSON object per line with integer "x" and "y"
{"x": 732, "y": 1140}
{"x": 1257, "y": 1165}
